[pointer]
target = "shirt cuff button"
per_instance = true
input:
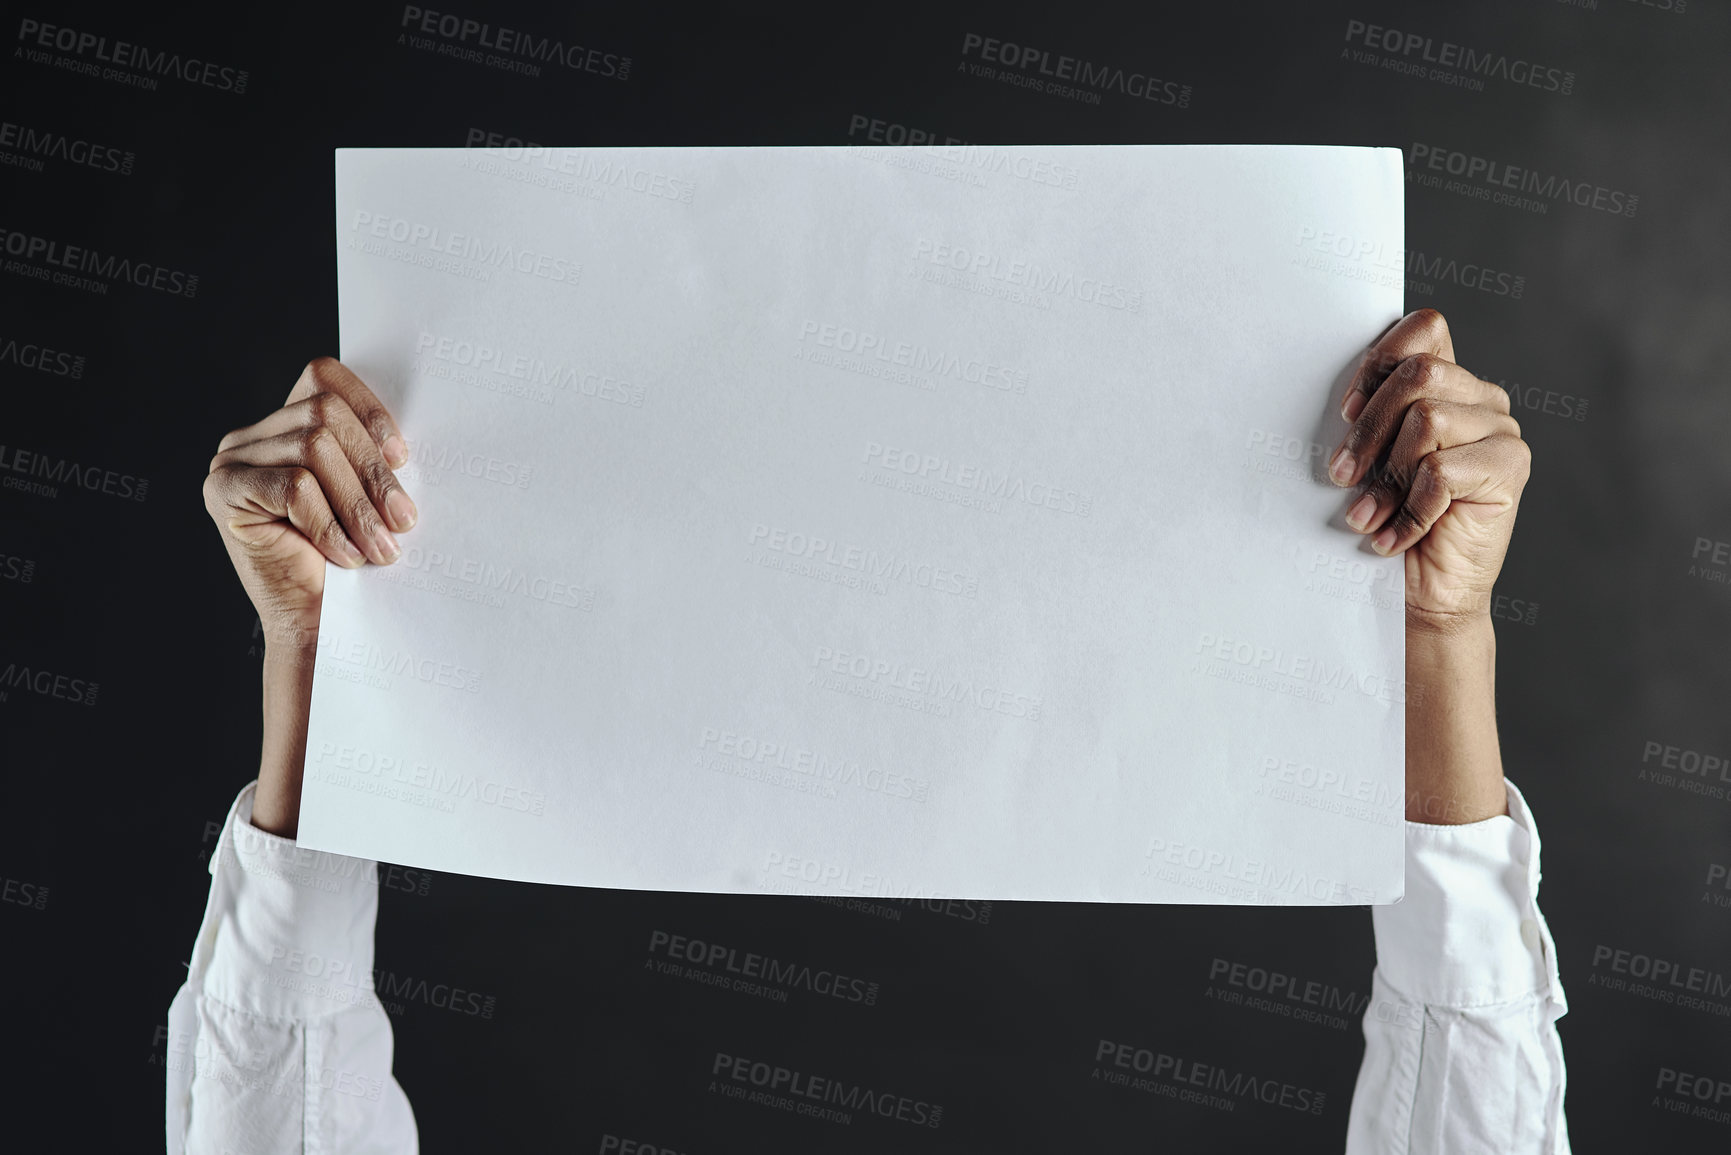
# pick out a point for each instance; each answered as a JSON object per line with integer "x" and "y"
{"x": 1530, "y": 934}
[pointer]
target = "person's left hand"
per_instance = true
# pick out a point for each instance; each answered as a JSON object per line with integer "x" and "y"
{"x": 1452, "y": 480}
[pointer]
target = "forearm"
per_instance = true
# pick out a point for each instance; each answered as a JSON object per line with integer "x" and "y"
{"x": 1454, "y": 766}
{"x": 288, "y": 688}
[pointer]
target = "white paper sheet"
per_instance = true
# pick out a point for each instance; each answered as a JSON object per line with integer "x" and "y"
{"x": 928, "y": 522}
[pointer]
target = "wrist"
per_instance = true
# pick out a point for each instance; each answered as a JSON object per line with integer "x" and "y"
{"x": 1454, "y": 771}
{"x": 288, "y": 683}
{"x": 1437, "y": 628}
{"x": 287, "y": 650}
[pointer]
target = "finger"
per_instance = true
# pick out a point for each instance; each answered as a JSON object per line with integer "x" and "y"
{"x": 1490, "y": 472}
{"x": 332, "y": 412}
{"x": 1420, "y": 375}
{"x": 1420, "y": 331}
{"x": 254, "y": 499}
{"x": 328, "y": 375}
{"x": 316, "y": 448}
{"x": 1430, "y": 425}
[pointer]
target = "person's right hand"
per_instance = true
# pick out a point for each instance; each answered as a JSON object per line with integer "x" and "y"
{"x": 311, "y": 481}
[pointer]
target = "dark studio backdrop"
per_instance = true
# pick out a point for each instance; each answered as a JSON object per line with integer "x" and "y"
{"x": 1573, "y": 229}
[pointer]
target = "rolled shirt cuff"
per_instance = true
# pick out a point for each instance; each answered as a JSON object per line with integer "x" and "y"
{"x": 1469, "y": 931}
{"x": 289, "y": 931}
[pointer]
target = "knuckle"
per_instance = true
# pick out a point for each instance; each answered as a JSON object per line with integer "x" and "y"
{"x": 1426, "y": 418}
{"x": 363, "y": 516}
{"x": 1426, "y": 469}
{"x": 1426, "y": 476}
{"x": 1425, "y": 370}
{"x": 332, "y": 408}
{"x": 1386, "y": 479}
{"x": 1523, "y": 456}
{"x": 319, "y": 368}
{"x": 379, "y": 477}
{"x": 316, "y": 441}
{"x": 1432, "y": 321}
{"x": 298, "y": 484}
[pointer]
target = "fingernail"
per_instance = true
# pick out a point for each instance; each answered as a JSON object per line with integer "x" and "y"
{"x": 1382, "y": 541}
{"x": 348, "y": 550}
{"x": 401, "y": 508}
{"x": 395, "y": 451}
{"x": 1341, "y": 467}
{"x": 1359, "y": 515}
{"x": 387, "y": 544}
{"x": 1353, "y": 405}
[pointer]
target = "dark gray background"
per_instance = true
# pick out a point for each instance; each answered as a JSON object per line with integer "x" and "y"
{"x": 111, "y": 807}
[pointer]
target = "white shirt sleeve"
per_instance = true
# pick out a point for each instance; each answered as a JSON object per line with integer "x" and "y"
{"x": 1461, "y": 1050}
{"x": 276, "y": 1042}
